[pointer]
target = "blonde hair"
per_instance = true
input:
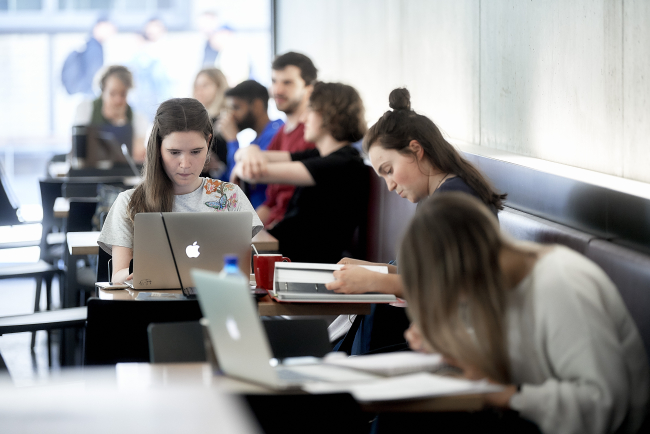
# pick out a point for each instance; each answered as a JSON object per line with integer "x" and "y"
{"x": 156, "y": 193}
{"x": 219, "y": 79}
{"x": 449, "y": 263}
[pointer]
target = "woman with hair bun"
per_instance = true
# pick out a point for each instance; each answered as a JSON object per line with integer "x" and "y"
{"x": 177, "y": 152}
{"x": 409, "y": 151}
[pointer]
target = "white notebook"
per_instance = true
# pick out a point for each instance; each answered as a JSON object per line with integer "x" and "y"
{"x": 305, "y": 282}
{"x": 412, "y": 386}
{"x": 389, "y": 364}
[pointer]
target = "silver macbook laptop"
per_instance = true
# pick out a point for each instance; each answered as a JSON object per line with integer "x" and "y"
{"x": 240, "y": 343}
{"x": 167, "y": 245}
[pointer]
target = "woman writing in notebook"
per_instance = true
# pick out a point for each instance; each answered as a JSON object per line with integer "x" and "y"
{"x": 177, "y": 152}
{"x": 416, "y": 161}
{"x": 543, "y": 321}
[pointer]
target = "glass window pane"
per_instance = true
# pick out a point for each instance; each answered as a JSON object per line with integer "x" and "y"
{"x": 29, "y": 5}
{"x": 136, "y": 5}
{"x": 86, "y": 4}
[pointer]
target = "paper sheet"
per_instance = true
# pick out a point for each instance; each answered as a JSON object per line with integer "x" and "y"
{"x": 411, "y": 386}
{"x": 389, "y": 364}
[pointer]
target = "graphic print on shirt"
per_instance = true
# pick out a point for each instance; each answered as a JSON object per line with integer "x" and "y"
{"x": 220, "y": 189}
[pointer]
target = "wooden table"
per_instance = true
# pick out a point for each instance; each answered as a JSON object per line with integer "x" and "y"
{"x": 85, "y": 243}
{"x": 265, "y": 307}
{"x": 61, "y": 207}
{"x": 203, "y": 374}
{"x": 155, "y": 398}
{"x": 164, "y": 400}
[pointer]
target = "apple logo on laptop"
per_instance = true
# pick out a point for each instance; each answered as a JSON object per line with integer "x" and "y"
{"x": 233, "y": 330}
{"x": 192, "y": 251}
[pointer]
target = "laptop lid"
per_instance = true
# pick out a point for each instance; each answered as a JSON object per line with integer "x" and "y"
{"x": 242, "y": 348}
{"x": 198, "y": 240}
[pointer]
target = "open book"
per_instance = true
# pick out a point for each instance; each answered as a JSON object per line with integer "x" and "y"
{"x": 305, "y": 282}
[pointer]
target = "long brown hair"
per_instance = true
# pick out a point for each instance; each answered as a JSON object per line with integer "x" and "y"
{"x": 449, "y": 263}
{"x": 342, "y": 110}
{"x": 397, "y": 127}
{"x": 219, "y": 102}
{"x": 156, "y": 193}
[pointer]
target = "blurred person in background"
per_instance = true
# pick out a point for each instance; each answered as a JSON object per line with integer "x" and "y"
{"x": 332, "y": 181}
{"x": 153, "y": 84}
{"x": 247, "y": 104}
{"x": 208, "y": 23}
{"x": 112, "y": 109}
{"x": 232, "y": 57}
{"x": 293, "y": 76}
{"x": 210, "y": 86}
{"x": 80, "y": 67}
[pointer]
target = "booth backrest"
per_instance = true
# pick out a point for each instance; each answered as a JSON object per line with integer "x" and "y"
{"x": 630, "y": 271}
{"x": 388, "y": 218}
{"x": 524, "y": 226}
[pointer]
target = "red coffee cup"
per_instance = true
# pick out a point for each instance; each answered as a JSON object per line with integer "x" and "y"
{"x": 265, "y": 267}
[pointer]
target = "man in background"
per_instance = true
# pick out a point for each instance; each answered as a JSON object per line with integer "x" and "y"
{"x": 293, "y": 77}
{"x": 247, "y": 105}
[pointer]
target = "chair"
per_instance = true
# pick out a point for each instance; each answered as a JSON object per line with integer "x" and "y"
{"x": 297, "y": 337}
{"x": 48, "y": 320}
{"x": 183, "y": 341}
{"x": 3, "y": 366}
{"x": 104, "y": 267}
{"x": 80, "y": 278}
{"x": 176, "y": 342}
{"x": 9, "y": 215}
{"x": 41, "y": 270}
{"x": 116, "y": 330}
{"x": 8, "y": 202}
{"x": 52, "y": 237}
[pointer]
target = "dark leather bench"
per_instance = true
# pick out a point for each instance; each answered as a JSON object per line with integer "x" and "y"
{"x": 524, "y": 226}
{"x": 629, "y": 269}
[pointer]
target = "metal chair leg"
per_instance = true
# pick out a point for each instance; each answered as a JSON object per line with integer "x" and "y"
{"x": 48, "y": 292}
{"x": 37, "y": 306}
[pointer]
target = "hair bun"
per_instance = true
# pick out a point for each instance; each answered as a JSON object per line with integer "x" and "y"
{"x": 400, "y": 99}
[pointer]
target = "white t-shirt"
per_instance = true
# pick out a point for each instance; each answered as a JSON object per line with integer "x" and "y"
{"x": 212, "y": 196}
{"x": 575, "y": 349}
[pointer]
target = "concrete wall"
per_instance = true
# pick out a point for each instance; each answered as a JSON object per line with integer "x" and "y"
{"x": 562, "y": 81}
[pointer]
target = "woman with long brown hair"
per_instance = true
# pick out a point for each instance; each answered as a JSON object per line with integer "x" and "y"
{"x": 543, "y": 321}
{"x": 177, "y": 152}
{"x": 416, "y": 161}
